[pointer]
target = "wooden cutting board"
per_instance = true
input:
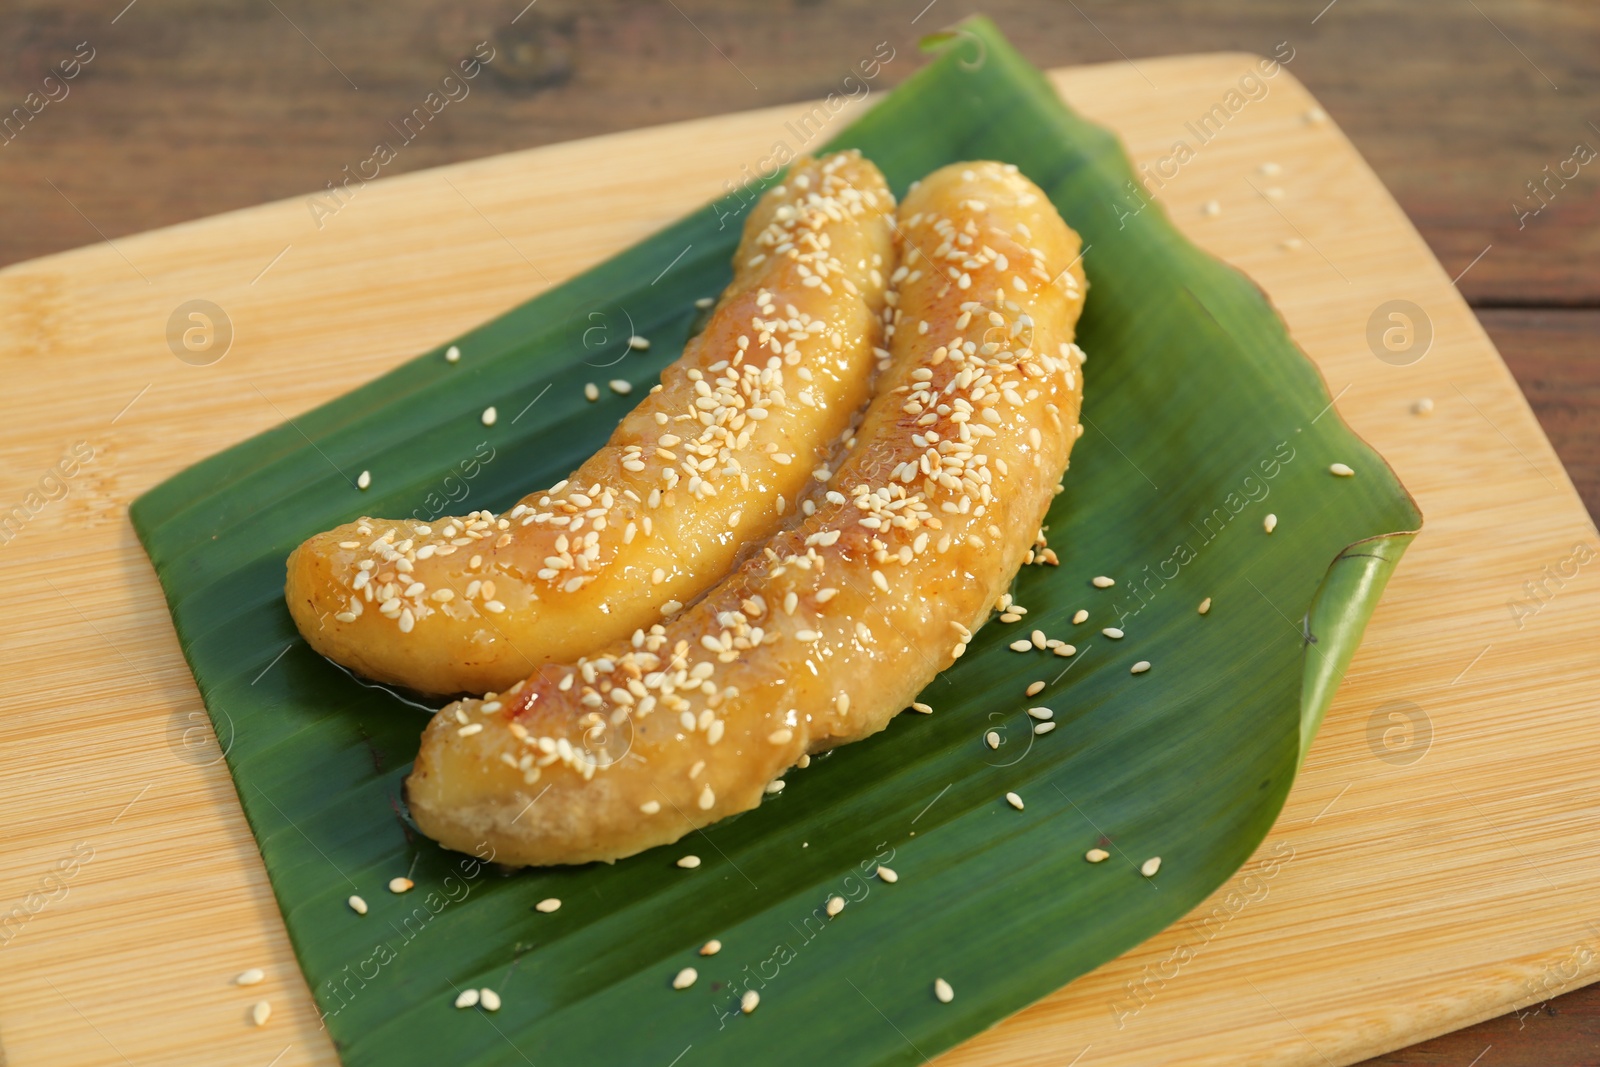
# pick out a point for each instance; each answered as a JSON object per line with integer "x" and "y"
{"x": 1436, "y": 863}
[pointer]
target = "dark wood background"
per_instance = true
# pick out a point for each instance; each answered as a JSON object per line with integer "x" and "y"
{"x": 193, "y": 107}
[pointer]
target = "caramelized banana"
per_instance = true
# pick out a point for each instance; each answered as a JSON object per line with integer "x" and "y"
{"x": 826, "y": 633}
{"x": 714, "y": 457}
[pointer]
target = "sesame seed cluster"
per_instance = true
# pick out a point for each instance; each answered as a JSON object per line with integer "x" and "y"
{"x": 386, "y": 577}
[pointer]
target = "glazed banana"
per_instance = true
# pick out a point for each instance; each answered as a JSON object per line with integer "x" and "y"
{"x": 714, "y": 457}
{"x": 838, "y": 622}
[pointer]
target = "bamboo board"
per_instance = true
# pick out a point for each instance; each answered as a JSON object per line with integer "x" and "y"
{"x": 1434, "y": 865}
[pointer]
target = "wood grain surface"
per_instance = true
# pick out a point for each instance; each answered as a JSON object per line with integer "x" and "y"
{"x": 203, "y": 108}
{"x": 1423, "y": 895}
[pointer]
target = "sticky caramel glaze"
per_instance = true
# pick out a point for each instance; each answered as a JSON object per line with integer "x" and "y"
{"x": 825, "y": 634}
{"x": 716, "y": 456}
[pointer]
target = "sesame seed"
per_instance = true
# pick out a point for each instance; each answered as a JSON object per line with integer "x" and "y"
{"x": 357, "y": 905}
{"x": 1096, "y": 855}
{"x": 1113, "y": 633}
{"x": 688, "y": 863}
{"x": 489, "y": 999}
{"x": 711, "y": 948}
{"x": 1423, "y": 406}
{"x": 1080, "y": 617}
{"x": 620, "y": 386}
{"x": 685, "y": 978}
{"x": 1041, "y": 713}
{"x": 452, "y": 354}
{"x": 400, "y": 885}
{"x": 1291, "y": 244}
{"x": 942, "y": 990}
{"x": 470, "y": 729}
{"x": 775, "y": 786}
{"x": 1205, "y": 605}
{"x": 364, "y": 480}
{"x": 1274, "y": 192}
{"x": 1034, "y": 688}
{"x": 1038, "y": 638}
{"x": 1271, "y": 170}
{"x": 834, "y": 906}
{"x": 1014, "y": 800}
{"x": 1270, "y": 523}
{"x": 887, "y": 874}
{"x": 261, "y": 1012}
{"x": 992, "y": 739}
{"x": 704, "y": 302}
{"x": 1040, "y": 729}
{"x": 1102, "y": 582}
{"x": 1212, "y": 208}
{"x": 1316, "y": 116}
{"x": 749, "y": 1001}
{"x": 253, "y": 976}
{"x": 591, "y": 392}
{"x": 707, "y": 798}
{"x": 638, "y": 344}
{"x": 920, "y": 708}
{"x": 1341, "y": 470}
{"x": 547, "y": 905}
{"x": 1150, "y": 866}
{"x": 1140, "y": 667}
{"x": 650, "y": 807}
{"x": 468, "y": 998}
{"x": 490, "y": 415}
{"x": 1065, "y": 650}
{"x": 1021, "y": 646}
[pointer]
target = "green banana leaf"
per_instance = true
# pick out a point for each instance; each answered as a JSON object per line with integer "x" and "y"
{"x": 1202, "y": 417}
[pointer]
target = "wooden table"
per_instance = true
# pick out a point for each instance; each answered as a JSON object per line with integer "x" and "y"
{"x": 1457, "y": 105}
